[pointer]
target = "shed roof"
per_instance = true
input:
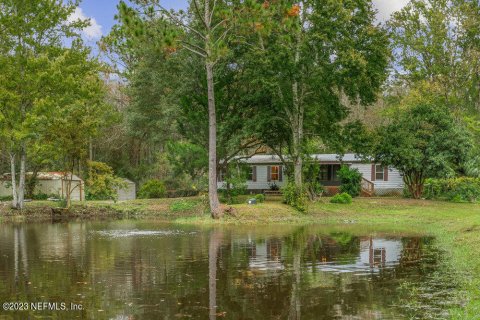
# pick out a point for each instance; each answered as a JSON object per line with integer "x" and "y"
{"x": 127, "y": 181}
{"x": 326, "y": 158}
{"x": 54, "y": 175}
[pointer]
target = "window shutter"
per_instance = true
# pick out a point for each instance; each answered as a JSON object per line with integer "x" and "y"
{"x": 269, "y": 173}
{"x": 254, "y": 173}
{"x": 385, "y": 174}
{"x": 373, "y": 172}
{"x": 280, "y": 173}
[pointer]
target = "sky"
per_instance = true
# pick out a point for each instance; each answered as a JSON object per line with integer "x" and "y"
{"x": 101, "y": 13}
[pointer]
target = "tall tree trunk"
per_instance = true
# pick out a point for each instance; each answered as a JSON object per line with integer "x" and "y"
{"x": 298, "y": 114}
{"x": 212, "y": 121}
{"x": 215, "y": 242}
{"x": 90, "y": 149}
{"x": 14, "y": 181}
{"x": 212, "y": 147}
{"x": 297, "y": 131}
{"x": 21, "y": 184}
{"x": 69, "y": 181}
{"x": 31, "y": 183}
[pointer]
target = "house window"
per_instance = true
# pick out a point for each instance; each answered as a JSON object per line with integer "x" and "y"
{"x": 275, "y": 173}
{"x": 221, "y": 175}
{"x": 252, "y": 173}
{"x": 379, "y": 172}
{"x": 335, "y": 169}
{"x": 323, "y": 173}
{"x": 329, "y": 172}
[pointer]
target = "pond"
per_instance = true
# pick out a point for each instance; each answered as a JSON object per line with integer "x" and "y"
{"x": 147, "y": 270}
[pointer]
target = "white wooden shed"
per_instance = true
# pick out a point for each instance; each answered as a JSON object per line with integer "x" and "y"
{"x": 51, "y": 184}
{"x": 129, "y": 192}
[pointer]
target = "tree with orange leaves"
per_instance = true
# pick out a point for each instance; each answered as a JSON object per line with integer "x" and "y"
{"x": 312, "y": 56}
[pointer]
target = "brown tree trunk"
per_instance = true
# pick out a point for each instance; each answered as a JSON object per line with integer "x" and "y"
{"x": 297, "y": 122}
{"x": 31, "y": 184}
{"x": 13, "y": 181}
{"x": 212, "y": 147}
{"x": 21, "y": 184}
{"x": 297, "y": 131}
{"x": 69, "y": 186}
{"x": 212, "y": 122}
{"x": 90, "y": 149}
{"x": 415, "y": 183}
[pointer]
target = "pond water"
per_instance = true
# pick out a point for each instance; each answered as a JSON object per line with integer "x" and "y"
{"x": 145, "y": 270}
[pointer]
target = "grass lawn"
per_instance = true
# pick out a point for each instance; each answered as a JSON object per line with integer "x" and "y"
{"x": 456, "y": 226}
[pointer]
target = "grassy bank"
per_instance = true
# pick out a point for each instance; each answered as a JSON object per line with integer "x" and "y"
{"x": 159, "y": 209}
{"x": 455, "y": 226}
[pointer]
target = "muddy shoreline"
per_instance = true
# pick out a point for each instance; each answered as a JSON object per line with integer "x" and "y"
{"x": 51, "y": 214}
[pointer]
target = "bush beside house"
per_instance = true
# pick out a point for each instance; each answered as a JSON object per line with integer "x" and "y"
{"x": 101, "y": 183}
{"x": 152, "y": 189}
{"x": 295, "y": 196}
{"x": 462, "y": 189}
{"x": 351, "y": 181}
{"x": 342, "y": 198}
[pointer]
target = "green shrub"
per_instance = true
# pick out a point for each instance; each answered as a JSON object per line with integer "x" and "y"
{"x": 260, "y": 197}
{"x": 351, "y": 181}
{"x": 343, "y": 198}
{"x": 182, "y": 193}
{"x": 152, "y": 189}
{"x": 183, "y": 205}
{"x": 455, "y": 189}
{"x": 237, "y": 187}
{"x": 315, "y": 190}
{"x": 296, "y": 197}
{"x": 42, "y": 196}
{"x": 273, "y": 186}
{"x": 101, "y": 183}
{"x": 6, "y": 198}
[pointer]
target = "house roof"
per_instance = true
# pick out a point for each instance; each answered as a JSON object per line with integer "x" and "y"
{"x": 56, "y": 175}
{"x": 127, "y": 181}
{"x": 325, "y": 158}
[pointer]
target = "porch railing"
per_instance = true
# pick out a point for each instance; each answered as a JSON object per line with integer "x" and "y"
{"x": 368, "y": 187}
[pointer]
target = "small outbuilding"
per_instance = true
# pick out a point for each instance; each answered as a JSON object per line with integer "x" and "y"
{"x": 128, "y": 191}
{"x": 51, "y": 184}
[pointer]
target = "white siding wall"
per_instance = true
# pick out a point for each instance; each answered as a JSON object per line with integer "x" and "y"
{"x": 49, "y": 187}
{"x": 54, "y": 187}
{"x": 394, "y": 183}
{"x": 128, "y": 193}
{"x": 5, "y": 189}
{"x": 395, "y": 180}
{"x": 261, "y": 183}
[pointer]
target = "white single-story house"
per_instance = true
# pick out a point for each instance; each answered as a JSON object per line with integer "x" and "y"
{"x": 49, "y": 183}
{"x": 267, "y": 172}
{"x": 128, "y": 192}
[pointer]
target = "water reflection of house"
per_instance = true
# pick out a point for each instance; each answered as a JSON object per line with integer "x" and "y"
{"x": 375, "y": 253}
{"x": 363, "y": 255}
{"x": 262, "y": 255}
{"x": 380, "y": 252}
{"x": 267, "y": 255}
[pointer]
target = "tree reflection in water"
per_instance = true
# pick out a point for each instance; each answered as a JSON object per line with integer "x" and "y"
{"x": 143, "y": 270}
{"x": 214, "y": 246}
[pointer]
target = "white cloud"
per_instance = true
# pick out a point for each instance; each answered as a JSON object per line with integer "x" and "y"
{"x": 387, "y": 7}
{"x": 93, "y": 31}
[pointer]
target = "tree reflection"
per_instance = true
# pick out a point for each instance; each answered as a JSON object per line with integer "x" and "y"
{"x": 291, "y": 273}
{"x": 213, "y": 249}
